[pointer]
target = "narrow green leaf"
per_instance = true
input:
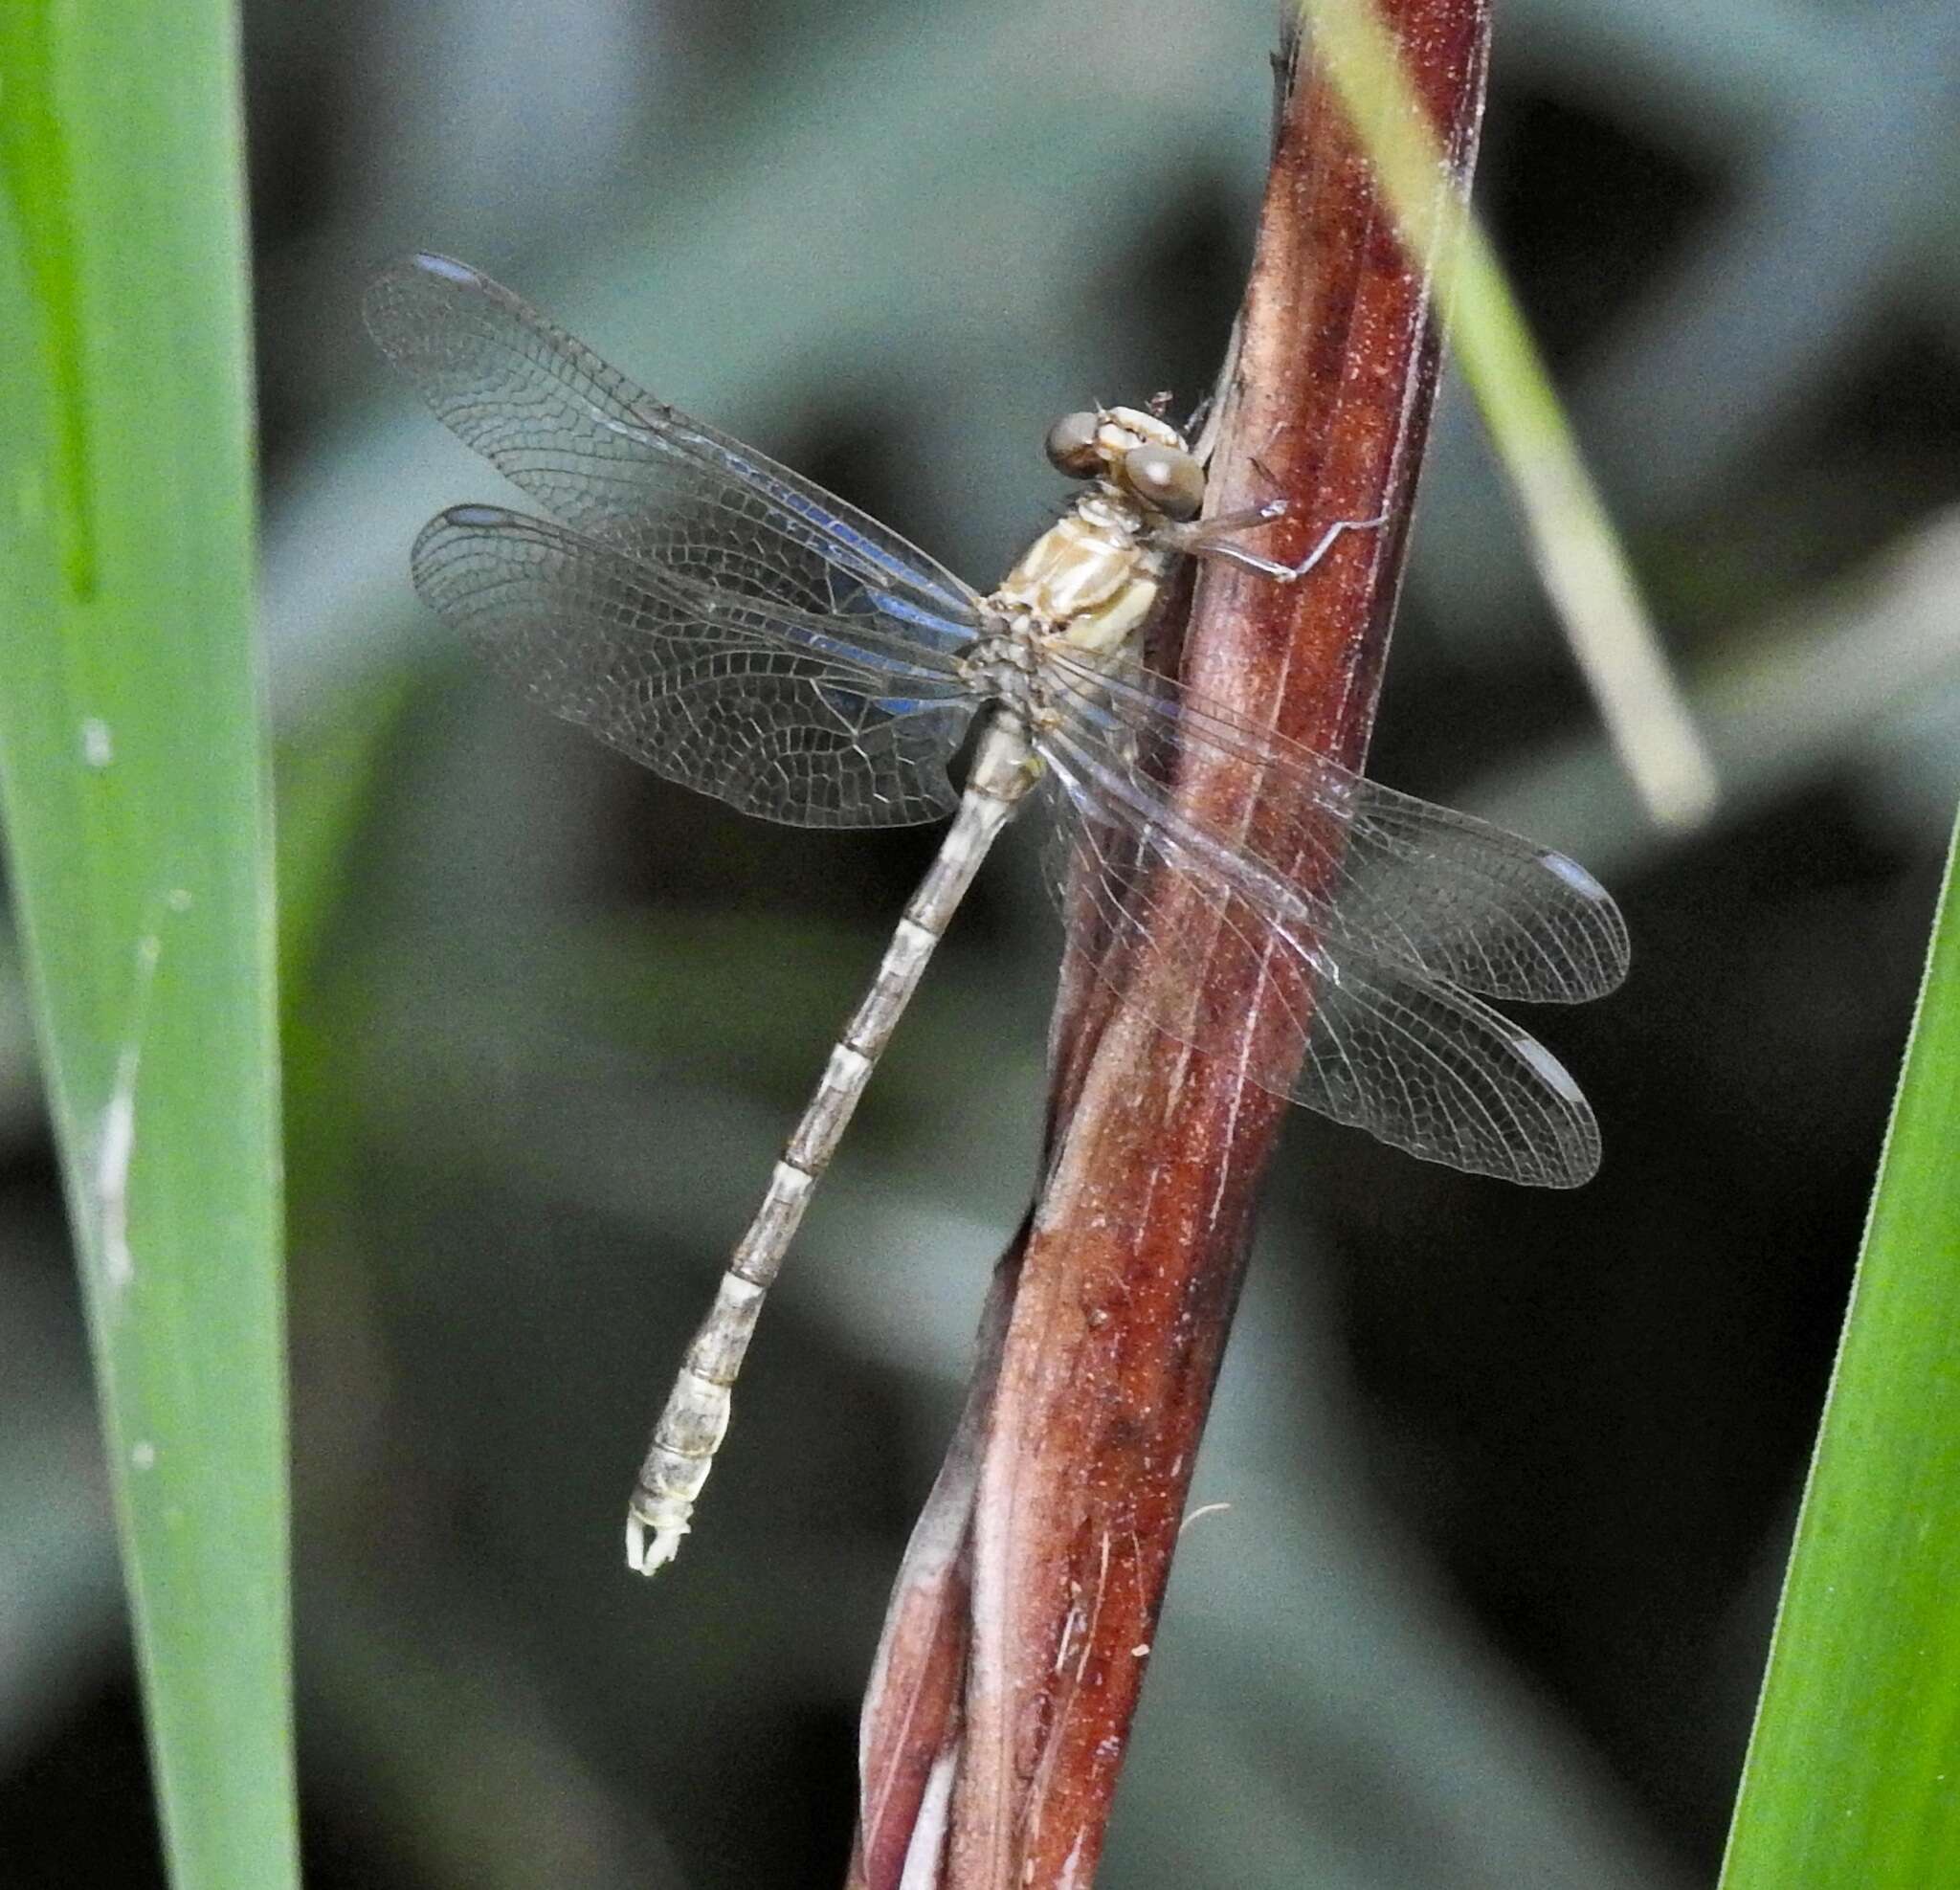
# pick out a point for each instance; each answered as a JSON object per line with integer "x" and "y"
{"x": 1579, "y": 557}
{"x": 1852, "y": 1777}
{"x": 133, "y": 786}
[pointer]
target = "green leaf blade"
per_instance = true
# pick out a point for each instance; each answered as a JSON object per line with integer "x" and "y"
{"x": 133, "y": 781}
{"x": 1852, "y": 1777}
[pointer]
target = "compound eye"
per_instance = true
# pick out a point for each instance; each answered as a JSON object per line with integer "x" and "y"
{"x": 1071, "y": 446}
{"x": 1162, "y": 477}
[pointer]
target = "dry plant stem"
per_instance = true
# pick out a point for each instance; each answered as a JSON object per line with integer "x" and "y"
{"x": 911, "y": 1721}
{"x": 1036, "y": 1575}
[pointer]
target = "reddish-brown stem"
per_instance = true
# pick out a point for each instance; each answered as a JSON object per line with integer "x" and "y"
{"x": 1022, "y": 1625}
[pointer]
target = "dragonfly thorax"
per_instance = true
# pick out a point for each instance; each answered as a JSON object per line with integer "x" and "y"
{"x": 1091, "y": 578}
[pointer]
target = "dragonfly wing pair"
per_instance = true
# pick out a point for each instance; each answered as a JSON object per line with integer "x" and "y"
{"x": 711, "y": 613}
{"x": 1370, "y": 916}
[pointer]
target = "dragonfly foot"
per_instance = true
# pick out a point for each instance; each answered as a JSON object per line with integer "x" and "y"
{"x": 1215, "y": 538}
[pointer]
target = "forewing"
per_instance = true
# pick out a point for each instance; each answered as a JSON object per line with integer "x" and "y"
{"x": 791, "y": 717}
{"x": 624, "y": 468}
{"x": 1367, "y": 870}
{"x": 1158, "y": 908}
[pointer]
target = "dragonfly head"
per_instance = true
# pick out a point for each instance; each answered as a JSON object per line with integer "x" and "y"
{"x": 1143, "y": 457}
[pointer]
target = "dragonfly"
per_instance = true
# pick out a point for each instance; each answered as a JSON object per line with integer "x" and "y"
{"x": 739, "y": 629}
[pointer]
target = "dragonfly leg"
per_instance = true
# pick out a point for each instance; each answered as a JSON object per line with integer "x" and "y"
{"x": 1202, "y": 533}
{"x": 1215, "y": 538}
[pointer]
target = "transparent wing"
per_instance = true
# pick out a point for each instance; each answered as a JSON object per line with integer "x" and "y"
{"x": 798, "y": 718}
{"x": 1368, "y": 1024}
{"x": 625, "y": 469}
{"x": 1417, "y": 1063}
{"x": 1363, "y": 868}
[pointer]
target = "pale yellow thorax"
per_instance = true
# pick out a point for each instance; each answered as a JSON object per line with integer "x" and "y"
{"x": 1092, "y": 578}
{"x": 1085, "y": 578}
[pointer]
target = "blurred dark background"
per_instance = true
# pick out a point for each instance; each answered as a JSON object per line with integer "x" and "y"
{"x": 1510, "y": 1475}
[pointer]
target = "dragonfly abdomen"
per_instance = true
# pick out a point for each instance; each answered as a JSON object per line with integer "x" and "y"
{"x": 695, "y": 1418}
